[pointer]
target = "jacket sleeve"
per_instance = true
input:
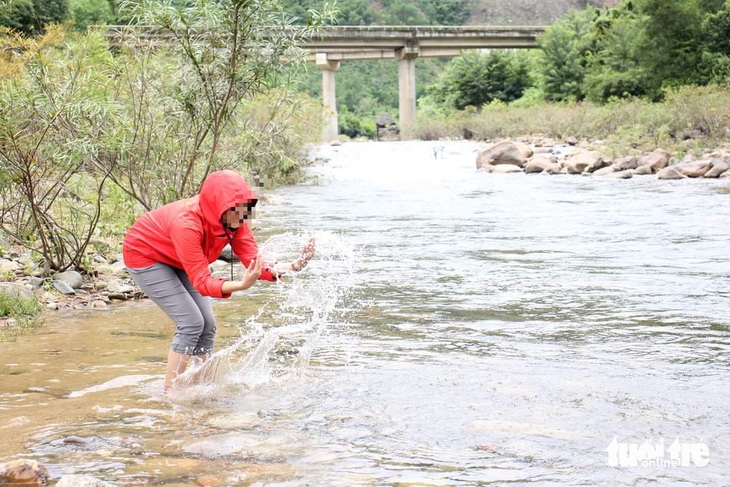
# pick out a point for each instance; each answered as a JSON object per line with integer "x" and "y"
{"x": 245, "y": 248}
{"x": 187, "y": 242}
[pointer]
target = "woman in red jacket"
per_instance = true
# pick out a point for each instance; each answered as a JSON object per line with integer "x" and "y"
{"x": 167, "y": 252}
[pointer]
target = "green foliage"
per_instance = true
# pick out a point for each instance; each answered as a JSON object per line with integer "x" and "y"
{"x": 672, "y": 45}
{"x": 446, "y": 12}
{"x": 30, "y": 16}
{"x": 90, "y": 12}
{"x": 564, "y": 51}
{"x": 25, "y": 311}
{"x": 56, "y": 119}
{"x": 615, "y": 68}
{"x": 179, "y": 104}
{"x": 355, "y": 126}
{"x": 475, "y": 79}
{"x": 18, "y": 15}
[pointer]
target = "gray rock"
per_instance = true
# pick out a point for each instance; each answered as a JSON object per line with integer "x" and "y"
{"x": 8, "y": 266}
{"x": 100, "y": 259}
{"x": 52, "y": 306}
{"x": 571, "y": 141}
{"x": 724, "y": 175}
{"x": 605, "y": 171}
{"x": 657, "y": 160}
{"x": 578, "y": 162}
{"x": 62, "y": 287}
{"x": 81, "y": 481}
{"x": 384, "y": 119}
{"x": 718, "y": 168}
{"x": 117, "y": 286}
{"x": 695, "y": 169}
{"x": 71, "y": 278}
{"x": 15, "y": 290}
{"x": 541, "y": 163}
{"x": 643, "y": 171}
{"x": 624, "y": 163}
{"x": 669, "y": 173}
{"x": 505, "y": 152}
{"x": 36, "y": 282}
{"x": 505, "y": 169}
{"x": 627, "y": 174}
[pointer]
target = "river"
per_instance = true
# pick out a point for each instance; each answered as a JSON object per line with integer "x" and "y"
{"x": 456, "y": 328}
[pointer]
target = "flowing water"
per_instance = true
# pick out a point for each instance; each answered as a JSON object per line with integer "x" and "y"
{"x": 455, "y": 328}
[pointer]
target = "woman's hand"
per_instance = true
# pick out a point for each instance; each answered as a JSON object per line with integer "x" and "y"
{"x": 253, "y": 272}
{"x": 305, "y": 256}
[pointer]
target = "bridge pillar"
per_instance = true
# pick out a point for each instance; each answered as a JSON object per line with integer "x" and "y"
{"x": 329, "y": 97}
{"x": 407, "y": 89}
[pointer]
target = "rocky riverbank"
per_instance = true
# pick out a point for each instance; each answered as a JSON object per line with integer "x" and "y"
{"x": 545, "y": 156}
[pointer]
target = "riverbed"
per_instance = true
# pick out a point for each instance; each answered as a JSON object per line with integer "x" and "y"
{"x": 456, "y": 328}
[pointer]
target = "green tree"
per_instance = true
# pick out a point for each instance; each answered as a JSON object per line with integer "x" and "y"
{"x": 564, "y": 56}
{"x": 672, "y": 45}
{"x": 89, "y": 12}
{"x": 446, "y": 12}
{"x": 222, "y": 54}
{"x": 18, "y": 15}
{"x": 615, "y": 68}
{"x": 30, "y": 16}
{"x": 400, "y": 12}
{"x": 475, "y": 79}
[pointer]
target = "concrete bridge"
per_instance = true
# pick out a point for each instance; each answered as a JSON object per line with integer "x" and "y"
{"x": 404, "y": 45}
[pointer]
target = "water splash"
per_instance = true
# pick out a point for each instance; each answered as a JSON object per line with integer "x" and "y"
{"x": 276, "y": 344}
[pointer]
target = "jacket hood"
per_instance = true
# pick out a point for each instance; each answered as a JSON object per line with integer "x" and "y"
{"x": 222, "y": 190}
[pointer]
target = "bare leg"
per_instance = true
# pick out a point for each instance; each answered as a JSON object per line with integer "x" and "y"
{"x": 176, "y": 365}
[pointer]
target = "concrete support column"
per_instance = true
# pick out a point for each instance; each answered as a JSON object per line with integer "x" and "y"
{"x": 329, "y": 96}
{"x": 407, "y": 89}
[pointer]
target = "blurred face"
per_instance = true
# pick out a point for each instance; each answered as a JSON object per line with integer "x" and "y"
{"x": 236, "y": 216}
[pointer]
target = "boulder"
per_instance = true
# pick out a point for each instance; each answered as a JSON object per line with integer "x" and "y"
{"x": 23, "y": 472}
{"x": 695, "y": 169}
{"x": 624, "y": 163}
{"x": 724, "y": 175}
{"x": 578, "y": 162}
{"x": 718, "y": 168}
{"x": 81, "y": 481}
{"x": 505, "y": 169}
{"x": 657, "y": 160}
{"x": 670, "y": 173}
{"x": 599, "y": 164}
{"x": 643, "y": 171}
{"x": 605, "y": 171}
{"x": 72, "y": 278}
{"x": 571, "y": 140}
{"x": 540, "y": 163}
{"x": 386, "y": 128}
{"x": 506, "y": 152}
{"x": 627, "y": 174}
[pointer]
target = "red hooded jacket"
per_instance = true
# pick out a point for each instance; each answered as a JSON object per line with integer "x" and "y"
{"x": 188, "y": 234}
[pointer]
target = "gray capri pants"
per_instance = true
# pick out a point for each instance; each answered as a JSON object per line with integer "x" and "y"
{"x": 192, "y": 312}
